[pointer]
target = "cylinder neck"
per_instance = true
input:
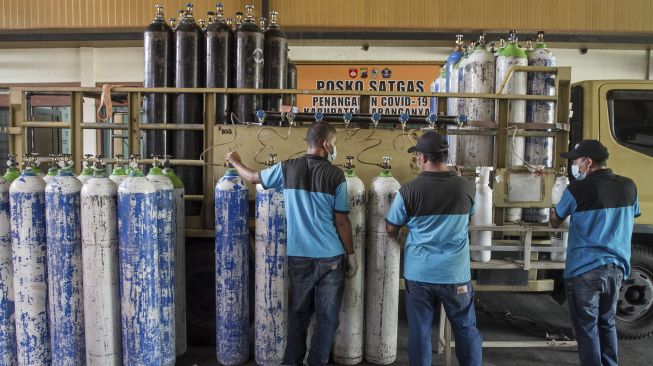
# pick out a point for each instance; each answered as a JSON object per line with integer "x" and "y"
{"x": 231, "y": 172}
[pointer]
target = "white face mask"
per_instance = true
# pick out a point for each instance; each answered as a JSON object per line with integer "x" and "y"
{"x": 332, "y": 155}
{"x": 575, "y": 171}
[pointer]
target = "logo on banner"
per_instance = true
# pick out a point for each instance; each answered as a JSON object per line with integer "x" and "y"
{"x": 386, "y": 73}
{"x": 375, "y": 73}
{"x": 353, "y": 72}
{"x": 363, "y": 72}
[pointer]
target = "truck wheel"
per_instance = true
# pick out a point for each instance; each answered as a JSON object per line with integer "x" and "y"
{"x": 635, "y": 306}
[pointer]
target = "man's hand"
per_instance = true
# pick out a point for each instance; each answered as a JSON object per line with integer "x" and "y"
{"x": 352, "y": 265}
{"x": 232, "y": 157}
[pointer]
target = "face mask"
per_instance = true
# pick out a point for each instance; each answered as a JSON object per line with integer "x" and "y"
{"x": 575, "y": 171}
{"x": 332, "y": 155}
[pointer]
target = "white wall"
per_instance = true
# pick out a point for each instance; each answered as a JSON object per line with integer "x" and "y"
{"x": 125, "y": 64}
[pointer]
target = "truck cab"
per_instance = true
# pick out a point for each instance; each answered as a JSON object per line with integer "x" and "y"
{"x": 619, "y": 113}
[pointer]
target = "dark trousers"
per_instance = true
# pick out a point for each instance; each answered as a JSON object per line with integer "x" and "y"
{"x": 316, "y": 287}
{"x": 592, "y": 299}
{"x": 422, "y": 301}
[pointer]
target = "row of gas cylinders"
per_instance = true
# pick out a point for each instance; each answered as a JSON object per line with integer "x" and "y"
{"x": 369, "y": 313}
{"x": 479, "y": 68}
{"x": 88, "y": 263}
{"x": 219, "y": 54}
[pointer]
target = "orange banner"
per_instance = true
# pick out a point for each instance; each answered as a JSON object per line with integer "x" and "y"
{"x": 373, "y": 77}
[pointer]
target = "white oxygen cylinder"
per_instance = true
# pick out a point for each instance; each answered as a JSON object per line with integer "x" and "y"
{"x": 559, "y": 240}
{"x": 483, "y": 215}
{"x": 382, "y": 274}
{"x": 348, "y": 342}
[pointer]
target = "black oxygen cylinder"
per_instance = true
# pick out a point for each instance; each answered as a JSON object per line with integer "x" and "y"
{"x": 218, "y": 41}
{"x": 276, "y": 62}
{"x": 188, "y": 107}
{"x": 158, "y": 72}
{"x": 249, "y": 62}
{"x": 291, "y": 83}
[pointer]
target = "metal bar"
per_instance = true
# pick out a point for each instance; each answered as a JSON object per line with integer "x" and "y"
{"x": 104, "y": 126}
{"x": 129, "y": 90}
{"x": 516, "y": 264}
{"x": 38, "y": 124}
{"x": 76, "y": 133}
{"x": 171, "y": 126}
{"x": 517, "y": 248}
{"x": 194, "y": 197}
{"x": 524, "y": 344}
{"x": 518, "y": 228}
{"x": 133, "y": 122}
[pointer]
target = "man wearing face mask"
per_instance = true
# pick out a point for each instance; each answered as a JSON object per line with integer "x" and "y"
{"x": 436, "y": 207}
{"x": 602, "y": 206}
{"x": 319, "y": 236}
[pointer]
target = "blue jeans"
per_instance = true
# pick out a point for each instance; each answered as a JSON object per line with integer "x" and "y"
{"x": 422, "y": 301}
{"x": 592, "y": 299}
{"x": 316, "y": 286}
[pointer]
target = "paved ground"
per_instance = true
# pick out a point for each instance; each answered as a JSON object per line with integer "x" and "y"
{"x": 532, "y": 317}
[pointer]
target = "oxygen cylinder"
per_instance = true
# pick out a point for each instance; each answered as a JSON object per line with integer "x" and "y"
{"x": 462, "y": 70}
{"x": 290, "y": 99}
{"x": 188, "y": 107}
{"x": 119, "y": 173}
{"x": 451, "y": 80}
{"x": 348, "y": 342}
{"x": 139, "y": 270}
{"x": 166, "y": 237}
{"x": 100, "y": 270}
{"x": 87, "y": 169}
{"x": 218, "y": 42}
{"x": 54, "y": 168}
{"x": 382, "y": 273}
{"x": 483, "y": 215}
{"x": 12, "y": 169}
{"x": 180, "y": 258}
{"x": 271, "y": 296}
{"x": 276, "y": 59}
{"x": 435, "y": 88}
{"x": 248, "y": 73}
{"x": 232, "y": 272}
{"x": 539, "y": 150}
{"x": 477, "y": 150}
{"x": 8, "y": 354}
{"x": 509, "y": 57}
{"x": 29, "y": 253}
{"x": 65, "y": 286}
{"x": 158, "y": 71}
{"x": 559, "y": 240}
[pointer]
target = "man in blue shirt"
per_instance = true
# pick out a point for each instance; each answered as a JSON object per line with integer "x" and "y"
{"x": 436, "y": 207}
{"x": 602, "y": 206}
{"x": 319, "y": 235}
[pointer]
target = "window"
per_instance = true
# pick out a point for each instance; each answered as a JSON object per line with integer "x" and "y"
{"x": 631, "y": 119}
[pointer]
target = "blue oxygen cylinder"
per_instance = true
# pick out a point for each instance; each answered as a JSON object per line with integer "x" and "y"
{"x": 166, "y": 238}
{"x": 271, "y": 298}
{"x": 452, "y": 60}
{"x": 139, "y": 270}
{"x": 29, "y": 251}
{"x": 231, "y": 266}
{"x": 7, "y": 320}
{"x": 65, "y": 286}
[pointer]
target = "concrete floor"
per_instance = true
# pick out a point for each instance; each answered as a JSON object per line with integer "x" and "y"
{"x": 532, "y": 317}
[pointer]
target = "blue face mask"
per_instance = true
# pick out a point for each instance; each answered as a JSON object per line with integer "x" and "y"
{"x": 575, "y": 171}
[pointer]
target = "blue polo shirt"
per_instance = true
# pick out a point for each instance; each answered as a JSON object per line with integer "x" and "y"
{"x": 436, "y": 208}
{"x": 603, "y": 207}
{"x": 313, "y": 191}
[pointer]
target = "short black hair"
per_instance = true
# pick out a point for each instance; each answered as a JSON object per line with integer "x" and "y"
{"x": 437, "y": 158}
{"x": 600, "y": 163}
{"x": 318, "y": 133}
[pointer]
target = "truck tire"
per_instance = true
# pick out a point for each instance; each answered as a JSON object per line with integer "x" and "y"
{"x": 635, "y": 307}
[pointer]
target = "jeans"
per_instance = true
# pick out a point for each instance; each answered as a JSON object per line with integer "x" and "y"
{"x": 458, "y": 301}
{"x": 316, "y": 286}
{"x": 592, "y": 299}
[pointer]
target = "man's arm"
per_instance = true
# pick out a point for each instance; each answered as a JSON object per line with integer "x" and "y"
{"x": 248, "y": 174}
{"x": 392, "y": 230}
{"x": 343, "y": 225}
{"x": 554, "y": 220}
